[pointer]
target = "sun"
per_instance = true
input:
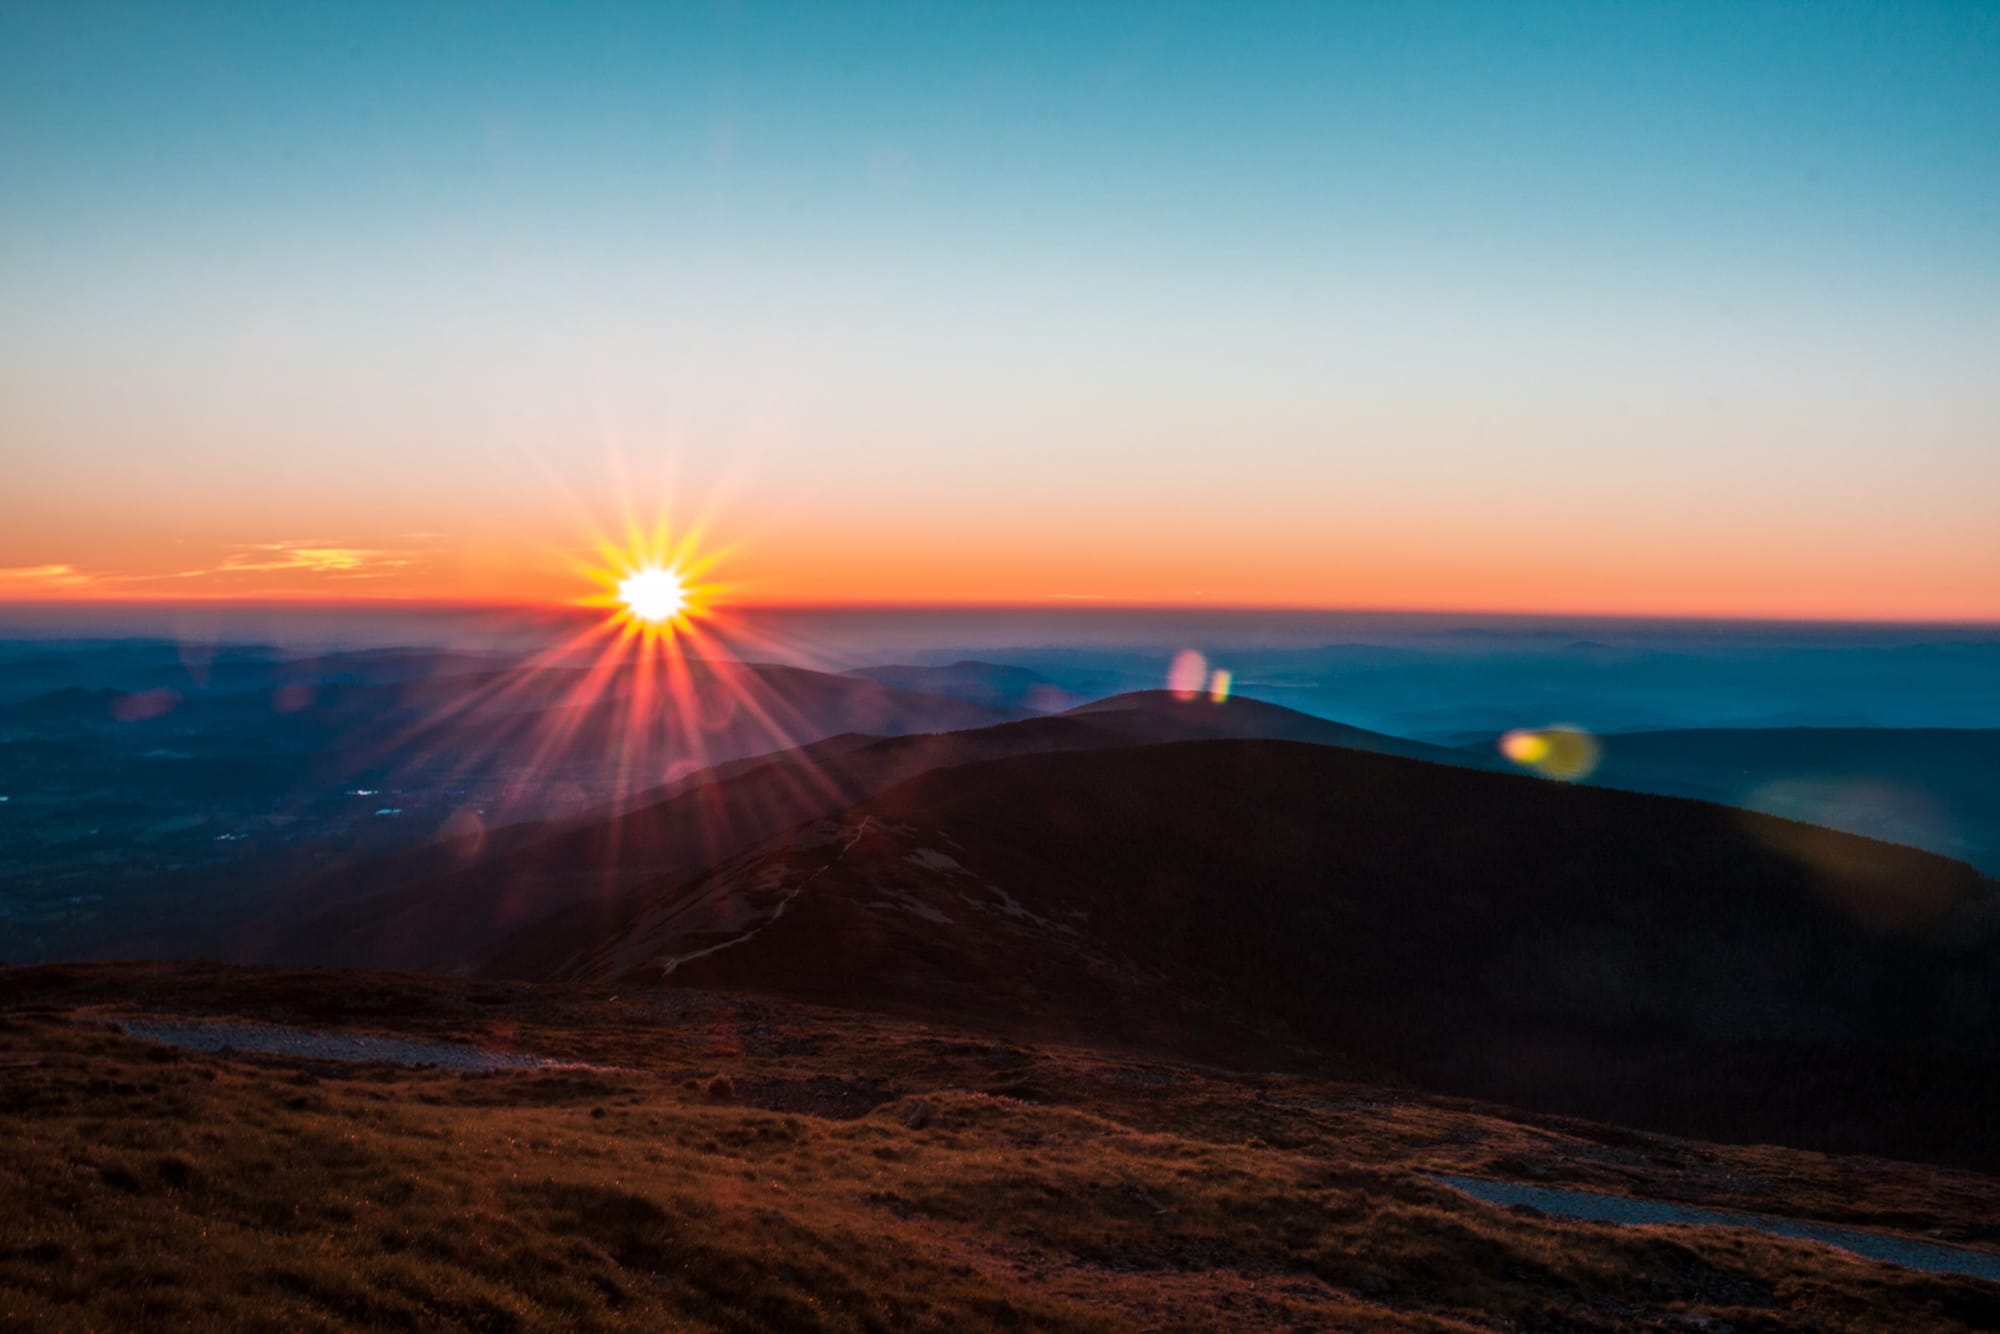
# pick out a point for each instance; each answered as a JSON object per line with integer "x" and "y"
{"x": 653, "y": 594}
{"x": 655, "y": 586}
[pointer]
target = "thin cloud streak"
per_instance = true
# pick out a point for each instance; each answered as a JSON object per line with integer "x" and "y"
{"x": 60, "y": 576}
{"x": 260, "y": 568}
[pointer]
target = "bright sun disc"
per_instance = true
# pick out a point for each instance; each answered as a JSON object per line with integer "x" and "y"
{"x": 653, "y": 595}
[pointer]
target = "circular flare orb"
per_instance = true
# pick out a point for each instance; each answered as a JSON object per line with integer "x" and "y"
{"x": 1568, "y": 754}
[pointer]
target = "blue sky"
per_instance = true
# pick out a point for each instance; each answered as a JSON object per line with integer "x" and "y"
{"x": 1227, "y": 275}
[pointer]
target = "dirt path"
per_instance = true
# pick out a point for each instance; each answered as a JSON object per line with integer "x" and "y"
{"x": 214, "y": 1035}
{"x": 1594, "y": 1207}
{"x": 667, "y": 968}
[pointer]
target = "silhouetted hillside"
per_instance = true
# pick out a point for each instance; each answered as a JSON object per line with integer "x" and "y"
{"x": 1481, "y": 933}
{"x": 443, "y": 907}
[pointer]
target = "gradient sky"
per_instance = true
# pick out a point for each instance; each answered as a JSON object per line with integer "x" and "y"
{"x": 1650, "y": 308}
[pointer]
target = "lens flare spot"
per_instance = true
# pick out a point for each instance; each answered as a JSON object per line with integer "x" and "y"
{"x": 1564, "y": 753}
{"x": 1868, "y": 879}
{"x": 653, "y": 594}
{"x": 137, "y": 708}
{"x": 1188, "y": 674}
{"x": 291, "y": 698}
{"x": 464, "y": 831}
{"x": 1218, "y": 684}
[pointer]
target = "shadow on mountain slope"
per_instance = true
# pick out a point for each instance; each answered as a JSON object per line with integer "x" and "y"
{"x": 1562, "y": 947}
{"x": 442, "y": 907}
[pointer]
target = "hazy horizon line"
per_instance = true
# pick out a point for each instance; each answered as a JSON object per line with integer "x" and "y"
{"x": 1063, "y": 604}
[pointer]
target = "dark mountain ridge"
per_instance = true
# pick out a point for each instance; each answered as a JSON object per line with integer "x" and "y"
{"x": 1162, "y": 715}
{"x": 1561, "y": 947}
{"x": 441, "y": 907}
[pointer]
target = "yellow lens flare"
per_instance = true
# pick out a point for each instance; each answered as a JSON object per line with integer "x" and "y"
{"x": 1567, "y": 754}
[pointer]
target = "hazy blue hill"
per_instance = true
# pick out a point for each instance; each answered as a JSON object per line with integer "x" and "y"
{"x": 1933, "y": 788}
{"x": 64, "y": 705}
{"x": 147, "y": 815}
{"x": 1437, "y": 683}
{"x": 1161, "y": 715}
{"x": 982, "y": 682}
{"x": 33, "y": 667}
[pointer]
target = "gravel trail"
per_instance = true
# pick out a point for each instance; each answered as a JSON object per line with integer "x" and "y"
{"x": 1594, "y": 1207}
{"x": 214, "y": 1035}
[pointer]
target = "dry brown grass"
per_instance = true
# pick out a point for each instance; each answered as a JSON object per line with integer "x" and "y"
{"x": 1044, "y": 1186}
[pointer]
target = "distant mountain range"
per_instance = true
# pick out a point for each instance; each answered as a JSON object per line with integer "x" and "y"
{"x": 985, "y": 683}
{"x": 148, "y": 815}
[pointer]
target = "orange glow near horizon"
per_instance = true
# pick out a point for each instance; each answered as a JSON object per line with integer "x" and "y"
{"x": 803, "y": 559}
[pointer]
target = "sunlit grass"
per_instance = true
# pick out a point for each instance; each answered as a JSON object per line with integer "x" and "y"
{"x": 694, "y": 1186}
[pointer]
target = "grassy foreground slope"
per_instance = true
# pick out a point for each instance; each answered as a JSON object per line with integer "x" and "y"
{"x": 751, "y": 1164}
